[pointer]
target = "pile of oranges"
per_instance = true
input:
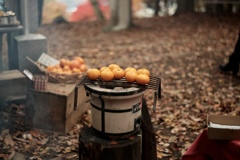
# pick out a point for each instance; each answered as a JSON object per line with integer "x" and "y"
{"x": 74, "y": 66}
{"x": 114, "y": 71}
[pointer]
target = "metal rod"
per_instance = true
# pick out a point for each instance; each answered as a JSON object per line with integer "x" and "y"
{"x": 25, "y": 16}
{"x": 102, "y": 113}
{"x": 75, "y": 98}
{"x": 1, "y": 62}
{"x": 155, "y": 101}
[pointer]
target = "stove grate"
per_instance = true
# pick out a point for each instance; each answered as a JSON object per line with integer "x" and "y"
{"x": 154, "y": 84}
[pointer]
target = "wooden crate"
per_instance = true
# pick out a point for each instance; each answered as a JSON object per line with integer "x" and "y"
{"x": 53, "y": 109}
{"x": 12, "y": 83}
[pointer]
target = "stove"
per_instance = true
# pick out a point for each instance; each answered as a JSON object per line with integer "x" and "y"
{"x": 116, "y": 105}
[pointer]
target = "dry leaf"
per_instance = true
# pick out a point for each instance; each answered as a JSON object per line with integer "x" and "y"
{"x": 35, "y": 133}
{"x": 43, "y": 141}
{"x": 8, "y": 140}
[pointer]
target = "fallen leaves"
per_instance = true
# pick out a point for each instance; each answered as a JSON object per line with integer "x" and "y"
{"x": 184, "y": 55}
{"x": 37, "y": 144}
{"x": 8, "y": 140}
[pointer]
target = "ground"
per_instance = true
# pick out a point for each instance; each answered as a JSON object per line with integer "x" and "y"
{"x": 184, "y": 51}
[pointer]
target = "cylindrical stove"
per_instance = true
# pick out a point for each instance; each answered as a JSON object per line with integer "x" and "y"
{"x": 116, "y": 105}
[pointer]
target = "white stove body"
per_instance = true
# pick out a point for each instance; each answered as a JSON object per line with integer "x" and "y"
{"x": 117, "y": 114}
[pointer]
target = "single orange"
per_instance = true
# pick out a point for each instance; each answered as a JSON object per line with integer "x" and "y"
{"x": 93, "y": 74}
{"x": 50, "y": 68}
{"x": 54, "y": 70}
{"x": 131, "y": 76}
{"x": 113, "y": 66}
{"x": 80, "y": 60}
{"x": 74, "y": 64}
{"x": 107, "y": 75}
{"x": 130, "y": 69}
{"x": 83, "y": 67}
{"x": 59, "y": 71}
{"x": 76, "y": 70}
{"x": 143, "y": 71}
{"x": 66, "y": 68}
{"x": 118, "y": 73}
{"x": 142, "y": 79}
{"x": 57, "y": 66}
{"x": 69, "y": 72}
{"x": 104, "y": 68}
{"x": 64, "y": 62}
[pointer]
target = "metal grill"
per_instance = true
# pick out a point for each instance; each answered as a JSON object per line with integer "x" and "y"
{"x": 154, "y": 84}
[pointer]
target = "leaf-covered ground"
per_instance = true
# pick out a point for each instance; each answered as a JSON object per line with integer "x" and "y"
{"x": 184, "y": 51}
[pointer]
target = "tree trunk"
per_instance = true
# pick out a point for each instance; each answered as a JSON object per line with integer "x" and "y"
{"x": 124, "y": 13}
{"x": 121, "y": 15}
{"x": 156, "y": 7}
{"x": 185, "y": 6}
{"x": 95, "y": 147}
{"x": 97, "y": 10}
{"x": 114, "y": 7}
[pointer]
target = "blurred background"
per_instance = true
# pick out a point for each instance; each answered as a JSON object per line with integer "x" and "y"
{"x": 82, "y": 10}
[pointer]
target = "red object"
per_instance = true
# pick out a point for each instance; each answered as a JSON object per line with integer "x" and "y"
{"x": 86, "y": 12}
{"x": 40, "y": 82}
{"x": 209, "y": 149}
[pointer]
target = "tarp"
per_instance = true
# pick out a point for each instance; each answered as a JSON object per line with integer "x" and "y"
{"x": 85, "y": 11}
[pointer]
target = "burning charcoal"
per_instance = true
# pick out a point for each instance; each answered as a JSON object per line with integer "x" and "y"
{"x": 118, "y": 88}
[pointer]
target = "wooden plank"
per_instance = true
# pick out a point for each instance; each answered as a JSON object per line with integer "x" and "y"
{"x": 45, "y": 111}
{"x": 10, "y": 74}
{"x": 12, "y": 83}
{"x": 75, "y": 115}
{"x": 59, "y": 88}
{"x": 53, "y": 109}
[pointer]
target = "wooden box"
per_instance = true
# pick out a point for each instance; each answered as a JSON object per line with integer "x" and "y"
{"x": 12, "y": 83}
{"x": 54, "y": 109}
{"x": 224, "y": 127}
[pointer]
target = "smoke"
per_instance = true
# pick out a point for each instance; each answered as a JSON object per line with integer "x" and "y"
{"x": 5, "y": 118}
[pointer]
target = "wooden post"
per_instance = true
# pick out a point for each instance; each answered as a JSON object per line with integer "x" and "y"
{"x": 149, "y": 151}
{"x": 94, "y": 147}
